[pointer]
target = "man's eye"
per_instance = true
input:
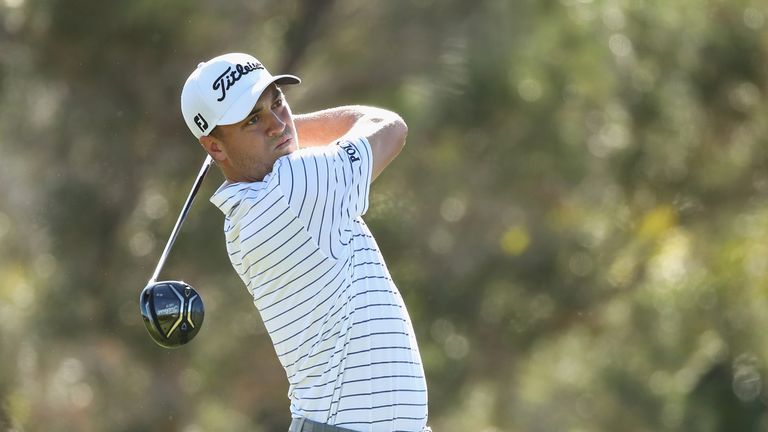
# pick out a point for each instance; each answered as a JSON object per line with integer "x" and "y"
{"x": 278, "y": 102}
{"x": 252, "y": 120}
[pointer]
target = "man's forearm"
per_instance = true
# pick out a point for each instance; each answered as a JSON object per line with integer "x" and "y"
{"x": 326, "y": 126}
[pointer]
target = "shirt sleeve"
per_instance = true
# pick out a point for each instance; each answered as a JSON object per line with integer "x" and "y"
{"x": 327, "y": 189}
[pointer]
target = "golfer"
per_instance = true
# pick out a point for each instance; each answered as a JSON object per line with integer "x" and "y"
{"x": 295, "y": 192}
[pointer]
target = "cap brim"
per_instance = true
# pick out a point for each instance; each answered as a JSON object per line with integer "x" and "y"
{"x": 244, "y": 104}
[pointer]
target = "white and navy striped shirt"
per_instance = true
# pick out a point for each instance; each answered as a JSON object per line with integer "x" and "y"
{"x": 338, "y": 323}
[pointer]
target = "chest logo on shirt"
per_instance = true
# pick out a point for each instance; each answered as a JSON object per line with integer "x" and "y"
{"x": 351, "y": 152}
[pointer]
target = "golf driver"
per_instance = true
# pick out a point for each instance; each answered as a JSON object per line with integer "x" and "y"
{"x": 172, "y": 310}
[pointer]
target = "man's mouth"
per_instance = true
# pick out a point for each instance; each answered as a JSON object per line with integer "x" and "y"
{"x": 283, "y": 142}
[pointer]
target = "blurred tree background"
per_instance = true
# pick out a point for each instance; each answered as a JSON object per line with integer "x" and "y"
{"x": 579, "y": 223}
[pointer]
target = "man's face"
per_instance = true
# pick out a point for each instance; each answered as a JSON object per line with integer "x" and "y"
{"x": 253, "y": 145}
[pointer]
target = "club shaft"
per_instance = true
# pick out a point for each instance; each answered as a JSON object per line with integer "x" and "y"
{"x": 183, "y": 215}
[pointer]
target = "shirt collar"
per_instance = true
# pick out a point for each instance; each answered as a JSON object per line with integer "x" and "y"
{"x": 227, "y": 195}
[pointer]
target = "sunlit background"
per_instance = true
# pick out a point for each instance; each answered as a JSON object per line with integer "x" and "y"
{"x": 578, "y": 223}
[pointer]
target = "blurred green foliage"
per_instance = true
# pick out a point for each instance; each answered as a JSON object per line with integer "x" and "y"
{"x": 579, "y": 223}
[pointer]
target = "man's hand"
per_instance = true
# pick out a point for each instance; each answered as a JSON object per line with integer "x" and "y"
{"x": 385, "y": 130}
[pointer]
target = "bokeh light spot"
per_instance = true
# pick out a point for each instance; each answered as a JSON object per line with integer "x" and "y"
{"x": 753, "y": 18}
{"x": 515, "y": 240}
{"x": 141, "y": 243}
{"x": 453, "y": 209}
{"x": 657, "y": 221}
{"x": 529, "y": 89}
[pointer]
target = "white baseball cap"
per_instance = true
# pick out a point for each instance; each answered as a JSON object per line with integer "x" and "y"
{"x": 224, "y": 90}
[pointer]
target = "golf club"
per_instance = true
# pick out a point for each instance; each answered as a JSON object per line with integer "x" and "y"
{"x": 172, "y": 310}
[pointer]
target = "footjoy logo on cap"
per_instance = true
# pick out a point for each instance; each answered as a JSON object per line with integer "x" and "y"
{"x": 200, "y": 122}
{"x": 226, "y": 80}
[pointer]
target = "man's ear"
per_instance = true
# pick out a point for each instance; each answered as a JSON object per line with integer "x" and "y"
{"x": 213, "y": 146}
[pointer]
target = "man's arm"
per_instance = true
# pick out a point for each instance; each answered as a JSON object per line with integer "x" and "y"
{"x": 385, "y": 130}
{"x": 321, "y": 128}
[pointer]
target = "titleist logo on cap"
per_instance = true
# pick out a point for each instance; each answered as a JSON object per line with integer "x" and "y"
{"x": 226, "y": 80}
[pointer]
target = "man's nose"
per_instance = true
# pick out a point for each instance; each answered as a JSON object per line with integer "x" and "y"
{"x": 276, "y": 124}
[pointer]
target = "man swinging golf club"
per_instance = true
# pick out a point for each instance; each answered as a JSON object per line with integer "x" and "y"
{"x": 296, "y": 188}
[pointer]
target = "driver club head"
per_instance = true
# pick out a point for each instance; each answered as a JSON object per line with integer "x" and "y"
{"x": 173, "y": 312}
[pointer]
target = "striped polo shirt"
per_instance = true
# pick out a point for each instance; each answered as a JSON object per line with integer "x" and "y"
{"x": 337, "y": 321}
